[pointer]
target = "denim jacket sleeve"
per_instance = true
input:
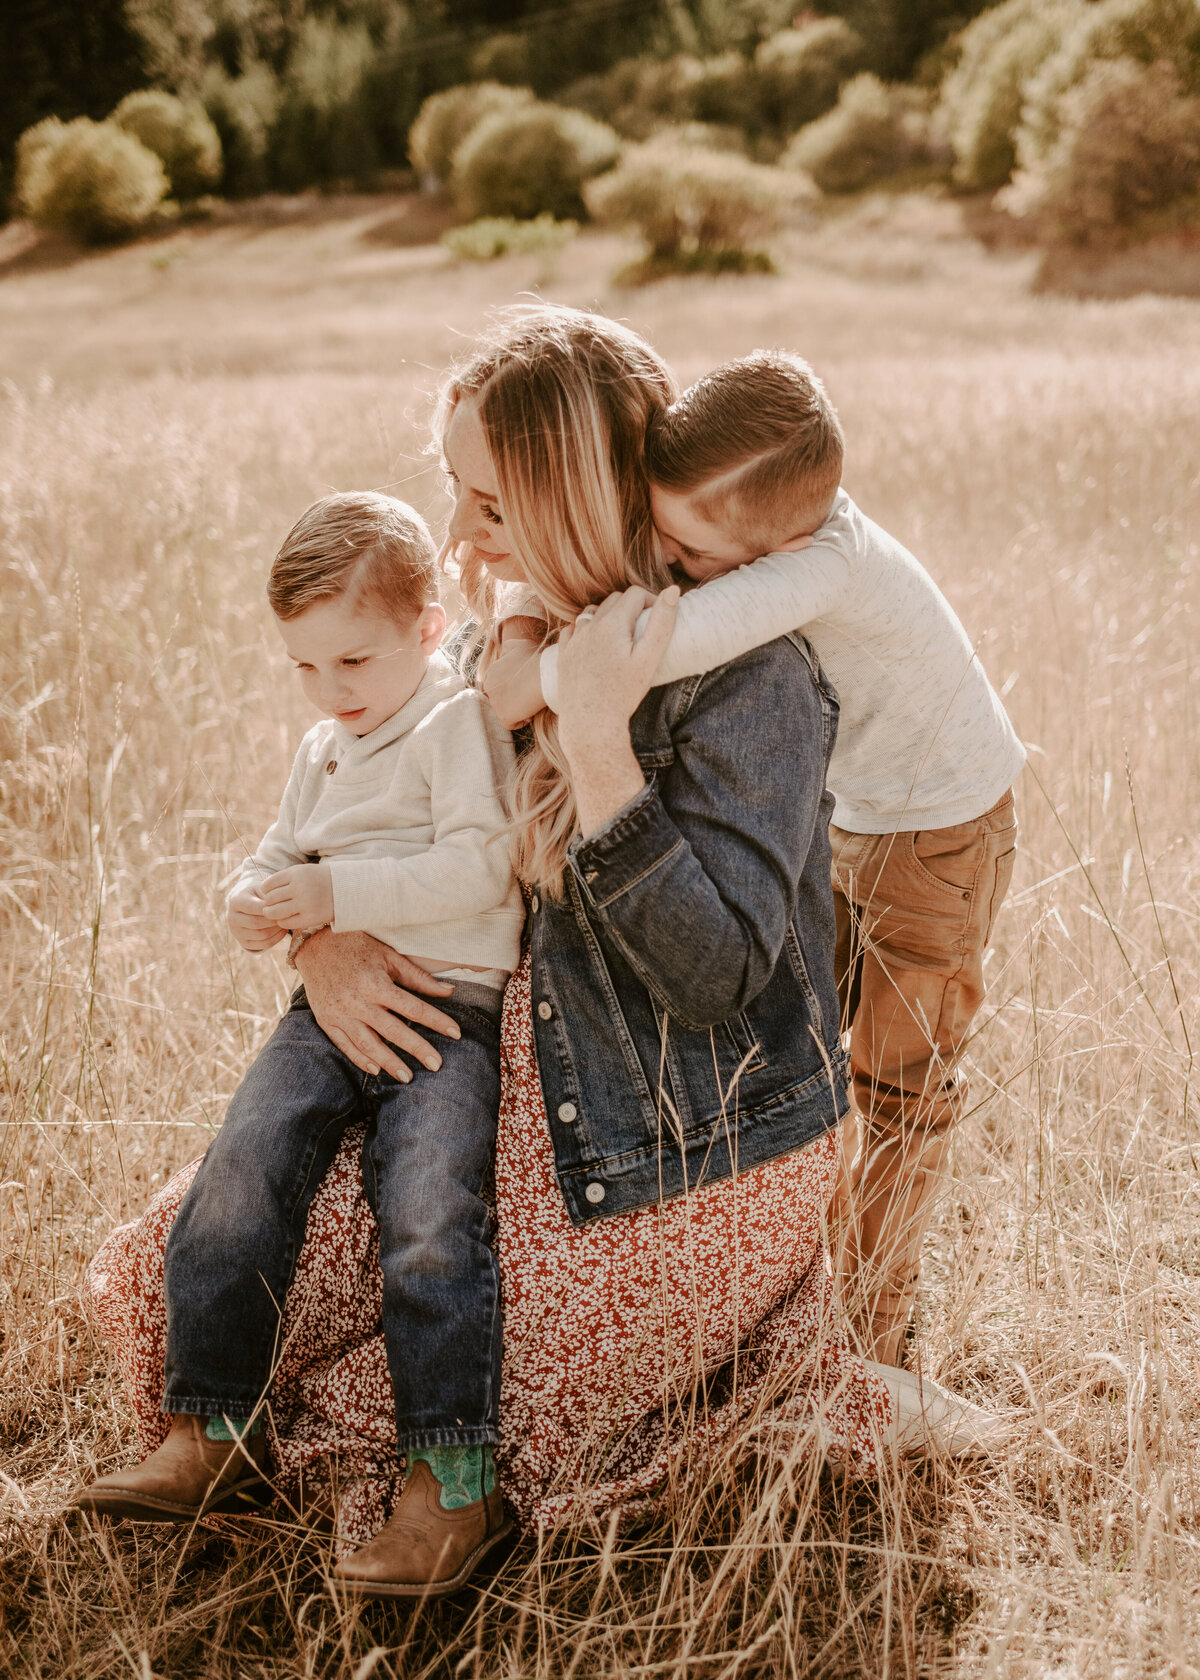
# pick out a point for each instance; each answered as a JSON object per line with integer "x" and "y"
{"x": 695, "y": 881}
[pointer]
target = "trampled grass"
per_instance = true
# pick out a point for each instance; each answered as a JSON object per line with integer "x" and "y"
{"x": 167, "y": 411}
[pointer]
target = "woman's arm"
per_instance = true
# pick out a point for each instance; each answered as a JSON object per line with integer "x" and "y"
{"x": 361, "y": 993}
{"x": 694, "y": 877}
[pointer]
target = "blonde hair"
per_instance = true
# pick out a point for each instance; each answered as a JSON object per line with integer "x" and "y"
{"x": 756, "y": 445}
{"x": 362, "y": 544}
{"x": 564, "y": 399}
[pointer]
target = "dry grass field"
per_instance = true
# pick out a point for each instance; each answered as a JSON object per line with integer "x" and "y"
{"x": 164, "y": 413}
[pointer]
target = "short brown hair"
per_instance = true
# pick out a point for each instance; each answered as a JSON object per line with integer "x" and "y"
{"x": 758, "y": 440}
{"x": 372, "y": 547}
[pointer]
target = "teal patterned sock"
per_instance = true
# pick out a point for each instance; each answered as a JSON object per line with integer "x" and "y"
{"x": 217, "y": 1429}
{"x": 463, "y": 1474}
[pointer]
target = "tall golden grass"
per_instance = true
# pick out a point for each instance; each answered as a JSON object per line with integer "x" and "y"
{"x": 169, "y": 410}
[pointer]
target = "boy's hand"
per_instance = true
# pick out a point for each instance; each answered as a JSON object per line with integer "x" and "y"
{"x": 512, "y": 682}
{"x": 252, "y": 930}
{"x": 299, "y": 897}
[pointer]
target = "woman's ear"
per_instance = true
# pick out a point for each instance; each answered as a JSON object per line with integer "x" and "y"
{"x": 432, "y": 627}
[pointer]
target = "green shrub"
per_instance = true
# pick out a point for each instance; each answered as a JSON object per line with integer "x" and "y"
{"x": 799, "y": 71}
{"x": 873, "y": 131}
{"x": 34, "y": 148}
{"x": 1145, "y": 30}
{"x": 243, "y": 110}
{"x": 96, "y": 183}
{"x": 497, "y": 236}
{"x": 446, "y": 119}
{"x": 532, "y": 159}
{"x": 983, "y": 95}
{"x": 324, "y": 130}
{"x": 695, "y": 208}
{"x": 177, "y": 131}
{"x": 1128, "y": 145}
{"x": 638, "y": 96}
{"x": 726, "y": 93}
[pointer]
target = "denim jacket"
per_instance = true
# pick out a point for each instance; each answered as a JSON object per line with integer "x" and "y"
{"x": 684, "y": 1004}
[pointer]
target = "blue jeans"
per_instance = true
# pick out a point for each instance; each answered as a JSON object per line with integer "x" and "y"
{"x": 427, "y": 1156}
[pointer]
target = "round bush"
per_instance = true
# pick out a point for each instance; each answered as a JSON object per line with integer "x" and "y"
{"x": 243, "y": 111}
{"x": 983, "y": 95}
{"x": 446, "y": 119}
{"x": 34, "y": 147}
{"x": 873, "y": 131}
{"x": 532, "y": 160}
{"x": 1128, "y": 145}
{"x": 638, "y": 96}
{"x": 1149, "y": 31}
{"x": 96, "y": 183}
{"x": 726, "y": 92}
{"x": 503, "y": 57}
{"x": 799, "y": 71}
{"x": 177, "y": 131}
{"x": 684, "y": 199}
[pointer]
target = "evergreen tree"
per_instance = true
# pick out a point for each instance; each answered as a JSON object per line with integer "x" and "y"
{"x": 61, "y": 58}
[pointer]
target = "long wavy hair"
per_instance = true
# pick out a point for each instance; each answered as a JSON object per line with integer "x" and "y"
{"x": 564, "y": 398}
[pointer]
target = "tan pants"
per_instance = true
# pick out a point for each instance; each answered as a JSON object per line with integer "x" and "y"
{"x": 914, "y": 916}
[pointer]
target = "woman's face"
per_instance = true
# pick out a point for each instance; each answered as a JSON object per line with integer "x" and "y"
{"x": 477, "y": 518}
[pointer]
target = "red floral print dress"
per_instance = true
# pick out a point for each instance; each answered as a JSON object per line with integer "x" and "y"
{"x": 634, "y": 1346}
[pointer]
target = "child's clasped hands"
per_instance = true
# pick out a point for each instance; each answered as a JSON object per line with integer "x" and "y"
{"x": 297, "y": 898}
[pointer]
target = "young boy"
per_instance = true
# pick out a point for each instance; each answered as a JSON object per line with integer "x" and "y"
{"x": 748, "y": 462}
{"x": 391, "y": 823}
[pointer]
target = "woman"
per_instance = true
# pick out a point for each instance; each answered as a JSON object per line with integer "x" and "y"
{"x": 673, "y": 1075}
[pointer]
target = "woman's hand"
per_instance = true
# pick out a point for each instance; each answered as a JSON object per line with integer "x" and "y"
{"x": 356, "y": 988}
{"x": 603, "y": 676}
{"x": 299, "y": 897}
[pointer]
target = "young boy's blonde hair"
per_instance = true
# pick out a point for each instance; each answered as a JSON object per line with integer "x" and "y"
{"x": 374, "y": 549}
{"x": 756, "y": 445}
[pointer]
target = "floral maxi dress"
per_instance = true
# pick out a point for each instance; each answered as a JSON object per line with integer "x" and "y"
{"x": 635, "y": 1347}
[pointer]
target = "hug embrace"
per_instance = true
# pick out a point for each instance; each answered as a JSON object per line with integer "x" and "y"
{"x": 615, "y": 1098}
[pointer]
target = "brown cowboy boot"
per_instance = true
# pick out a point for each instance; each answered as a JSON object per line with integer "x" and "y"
{"x": 423, "y": 1550}
{"x": 188, "y": 1477}
{"x": 893, "y": 1185}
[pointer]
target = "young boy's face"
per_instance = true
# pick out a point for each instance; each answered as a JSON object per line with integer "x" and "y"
{"x": 357, "y": 666}
{"x": 699, "y": 548}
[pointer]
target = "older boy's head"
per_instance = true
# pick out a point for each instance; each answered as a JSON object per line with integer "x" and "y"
{"x": 748, "y": 460}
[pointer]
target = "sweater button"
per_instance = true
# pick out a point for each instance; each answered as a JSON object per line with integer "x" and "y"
{"x": 535, "y": 904}
{"x": 331, "y": 767}
{"x": 567, "y": 1112}
{"x": 594, "y": 1193}
{"x": 544, "y": 1011}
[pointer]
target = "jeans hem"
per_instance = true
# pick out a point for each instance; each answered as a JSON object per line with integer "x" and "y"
{"x": 191, "y": 1405}
{"x": 414, "y": 1439}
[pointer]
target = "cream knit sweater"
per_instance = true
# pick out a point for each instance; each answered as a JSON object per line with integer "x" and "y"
{"x": 410, "y": 821}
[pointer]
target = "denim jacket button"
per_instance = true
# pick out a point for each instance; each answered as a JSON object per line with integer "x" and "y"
{"x": 594, "y": 1192}
{"x": 567, "y": 1112}
{"x": 544, "y": 1011}
{"x": 592, "y": 875}
{"x": 535, "y": 904}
